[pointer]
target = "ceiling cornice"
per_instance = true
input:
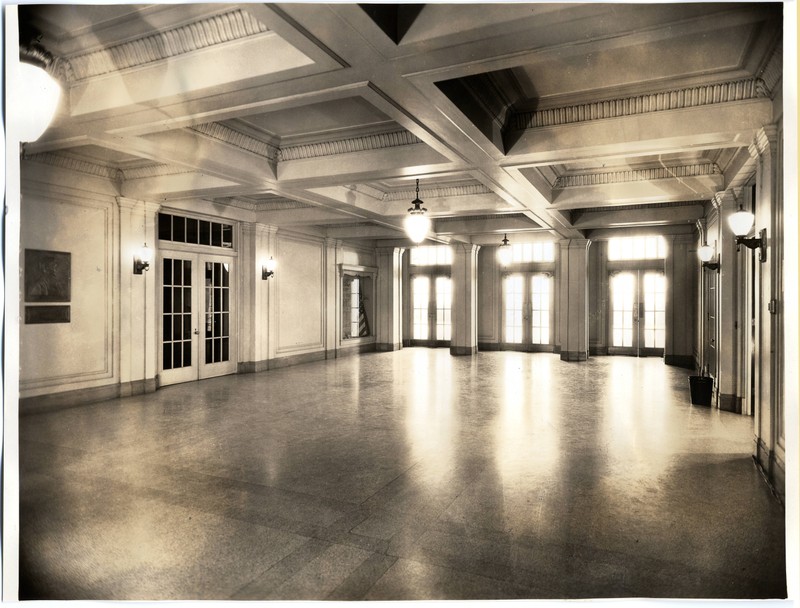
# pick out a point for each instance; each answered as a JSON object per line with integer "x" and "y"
{"x": 635, "y": 175}
{"x": 204, "y": 33}
{"x": 71, "y": 163}
{"x": 227, "y": 135}
{"x": 365, "y": 143}
{"x": 439, "y": 192}
{"x": 691, "y": 97}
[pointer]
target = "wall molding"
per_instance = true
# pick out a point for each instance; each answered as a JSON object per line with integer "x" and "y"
{"x": 692, "y": 97}
{"x": 636, "y": 175}
{"x": 200, "y": 34}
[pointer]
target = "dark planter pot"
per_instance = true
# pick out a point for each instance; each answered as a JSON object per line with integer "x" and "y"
{"x": 701, "y": 388}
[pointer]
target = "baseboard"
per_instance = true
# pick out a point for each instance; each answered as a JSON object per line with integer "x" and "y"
{"x": 770, "y": 468}
{"x": 357, "y": 349}
{"x": 730, "y": 403}
{"x": 463, "y": 351}
{"x": 489, "y": 346}
{"x": 279, "y": 362}
{"x": 387, "y": 347}
{"x": 84, "y": 396}
{"x": 684, "y": 361}
{"x": 574, "y": 355}
{"x": 600, "y": 351}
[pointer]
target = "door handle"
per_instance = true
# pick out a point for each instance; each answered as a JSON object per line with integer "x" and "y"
{"x": 196, "y": 332}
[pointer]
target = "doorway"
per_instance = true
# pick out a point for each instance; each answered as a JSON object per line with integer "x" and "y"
{"x": 431, "y": 298}
{"x": 197, "y": 321}
{"x": 638, "y": 313}
{"x": 527, "y": 306}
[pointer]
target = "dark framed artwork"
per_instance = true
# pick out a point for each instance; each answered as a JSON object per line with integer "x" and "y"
{"x": 47, "y": 276}
{"x": 47, "y": 314}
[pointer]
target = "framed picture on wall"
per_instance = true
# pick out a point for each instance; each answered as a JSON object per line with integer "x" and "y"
{"x": 47, "y": 276}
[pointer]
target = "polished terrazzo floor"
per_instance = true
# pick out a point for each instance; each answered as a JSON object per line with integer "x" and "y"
{"x": 407, "y": 475}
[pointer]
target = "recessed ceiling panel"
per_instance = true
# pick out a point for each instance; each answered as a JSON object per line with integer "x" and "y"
{"x": 324, "y": 118}
{"x": 627, "y": 67}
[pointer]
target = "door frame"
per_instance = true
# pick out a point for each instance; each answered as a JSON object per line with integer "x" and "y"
{"x": 637, "y": 349}
{"x": 199, "y": 370}
{"x": 527, "y": 311}
{"x": 431, "y": 341}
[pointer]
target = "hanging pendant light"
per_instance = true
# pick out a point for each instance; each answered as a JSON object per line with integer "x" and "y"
{"x": 36, "y": 92}
{"x": 504, "y": 252}
{"x": 417, "y": 224}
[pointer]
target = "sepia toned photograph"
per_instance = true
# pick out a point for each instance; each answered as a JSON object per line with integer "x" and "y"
{"x": 363, "y": 302}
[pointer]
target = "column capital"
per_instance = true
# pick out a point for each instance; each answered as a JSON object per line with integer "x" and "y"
{"x": 468, "y": 248}
{"x": 727, "y": 198}
{"x": 389, "y": 250}
{"x": 764, "y": 142}
{"x": 131, "y": 203}
{"x": 333, "y": 243}
{"x": 575, "y": 243}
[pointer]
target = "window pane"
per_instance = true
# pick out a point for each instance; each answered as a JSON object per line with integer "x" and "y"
{"x": 164, "y": 226}
{"x": 178, "y": 229}
{"x": 191, "y": 230}
{"x": 205, "y": 232}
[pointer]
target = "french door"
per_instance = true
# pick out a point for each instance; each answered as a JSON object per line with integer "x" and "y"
{"x": 638, "y": 313}
{"x": 431, "y": 301}
{"x": 527, "y": 299}
{"x": 197, "y": 321}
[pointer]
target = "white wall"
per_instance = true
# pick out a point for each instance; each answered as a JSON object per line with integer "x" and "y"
{"x": 77, "y": 216}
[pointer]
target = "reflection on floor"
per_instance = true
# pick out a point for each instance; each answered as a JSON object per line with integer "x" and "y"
{"x": 407, "y": 475}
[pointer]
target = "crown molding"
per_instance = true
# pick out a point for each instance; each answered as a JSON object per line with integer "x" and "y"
{"x": 200, "y": 34}
{"x": 636, "y": 175}
{"x": 378, "y": 141}
{"x": 691, "y": 97}
{"x": 71, "y": 163}
{"x": 764, "y": 141}
{"x": 227, "y": 135}
{"x": 438, "y": 192}
{"x": 772, "y": 72}
{"x": 271, "y": 205}
{"x": 153, "y": 171}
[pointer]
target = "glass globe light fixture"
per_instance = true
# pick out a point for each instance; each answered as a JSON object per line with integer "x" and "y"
{"x": 417, "y": 224}
{"x": 504, "y": 252}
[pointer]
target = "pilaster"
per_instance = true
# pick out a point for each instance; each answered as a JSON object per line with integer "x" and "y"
{"x": 333, "y": 300}
{"x": 138, "y": 339}
{"x": 464, "y": 277}
{"x": 389, "y": 326}
{"x": 574, "y": 303}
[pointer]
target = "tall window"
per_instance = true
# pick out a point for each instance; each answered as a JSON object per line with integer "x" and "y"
{"x": 623, "y": 296}
{"x": 540, "y": 309}
{"x": 355, "y": 306}
{"x": 532, "y": 252}
{"x": 421, "y": 292}
{"x": 514, "y": 296}
{"x": 433, "y": 255}
{"x": 654, "y": 309}
{"x": 637, "y": 248}
{"x": 444, "y": 298}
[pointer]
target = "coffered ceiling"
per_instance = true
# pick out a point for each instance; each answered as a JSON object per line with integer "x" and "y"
{"x": 540, "y": 120}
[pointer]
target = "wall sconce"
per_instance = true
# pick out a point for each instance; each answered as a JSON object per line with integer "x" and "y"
{"x": 142, "y": 259}
{"x": 705, "y": 253}
{"x": 741, "y": 222}
{"x": 268, "y": 269}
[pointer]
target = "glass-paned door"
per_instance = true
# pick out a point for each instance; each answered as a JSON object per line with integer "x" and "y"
{"x": 197, "y": 335}
{"x": 527, "y": 308}
{"x": 431, "y": 298}
{"x": 638, "y": 313}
